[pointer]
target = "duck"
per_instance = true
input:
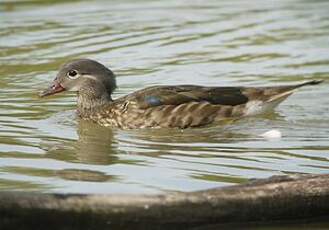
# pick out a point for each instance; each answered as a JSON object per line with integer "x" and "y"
{"x": 165, "y": 106}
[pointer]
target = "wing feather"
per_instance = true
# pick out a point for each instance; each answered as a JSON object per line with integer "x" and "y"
{"x": 176, "y": 95}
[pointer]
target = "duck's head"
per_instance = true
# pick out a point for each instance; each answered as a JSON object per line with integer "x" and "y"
{"x": 84, "y": 76}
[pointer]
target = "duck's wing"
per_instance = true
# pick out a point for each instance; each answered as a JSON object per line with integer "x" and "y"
{"x": 176, "y": 95}
{"x": 232, "y": 96}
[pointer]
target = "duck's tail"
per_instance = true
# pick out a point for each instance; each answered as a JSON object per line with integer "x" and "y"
{"x": 273, "y": 96}
{"x": 285, "y": 91}
{"x": 313, "y": 82}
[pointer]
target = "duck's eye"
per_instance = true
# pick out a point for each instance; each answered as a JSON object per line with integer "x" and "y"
{"x": 73, "y": 74}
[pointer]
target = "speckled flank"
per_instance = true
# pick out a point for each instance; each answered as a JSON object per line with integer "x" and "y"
{"x": 186, "y": 115}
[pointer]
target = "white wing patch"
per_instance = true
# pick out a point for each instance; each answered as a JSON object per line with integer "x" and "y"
{"x": 254, "y": 107}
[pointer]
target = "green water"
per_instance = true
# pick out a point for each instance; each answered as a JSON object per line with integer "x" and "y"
{"x": 44, "y": 147}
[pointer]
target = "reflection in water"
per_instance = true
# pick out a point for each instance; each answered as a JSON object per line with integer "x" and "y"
{"x": 95, "y": 145}
{"x": 83, "y": 175}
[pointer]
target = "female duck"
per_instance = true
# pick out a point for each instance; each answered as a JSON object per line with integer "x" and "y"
{"x": 179, "y": 106}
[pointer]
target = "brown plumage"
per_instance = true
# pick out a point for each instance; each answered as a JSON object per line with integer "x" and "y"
{"x": 180, "y": 106}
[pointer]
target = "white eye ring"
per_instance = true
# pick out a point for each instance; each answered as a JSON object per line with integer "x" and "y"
{"x": 72, "y": 74}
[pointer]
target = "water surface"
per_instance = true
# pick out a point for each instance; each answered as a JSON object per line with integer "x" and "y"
{"x": 45, "y": 148}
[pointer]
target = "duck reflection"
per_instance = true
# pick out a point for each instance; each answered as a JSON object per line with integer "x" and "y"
{"x": 84, "y": 175}
{"x": 95, "y": 145}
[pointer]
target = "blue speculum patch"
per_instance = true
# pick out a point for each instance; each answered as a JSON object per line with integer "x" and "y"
{"x": 153, "y": 100}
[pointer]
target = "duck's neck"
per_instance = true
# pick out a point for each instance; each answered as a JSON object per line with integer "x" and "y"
{"x": 89, "y": 102}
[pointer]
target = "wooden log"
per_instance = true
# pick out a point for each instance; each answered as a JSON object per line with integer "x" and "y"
{"x": 276, "y": 198}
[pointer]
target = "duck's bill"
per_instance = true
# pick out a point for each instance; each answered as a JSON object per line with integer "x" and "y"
{"x": 53, "y": 89}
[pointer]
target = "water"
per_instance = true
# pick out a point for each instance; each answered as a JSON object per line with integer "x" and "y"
{"x": 45, "y": 148}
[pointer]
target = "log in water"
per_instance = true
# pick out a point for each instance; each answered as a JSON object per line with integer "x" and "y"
{"x": 276, "y": 198}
